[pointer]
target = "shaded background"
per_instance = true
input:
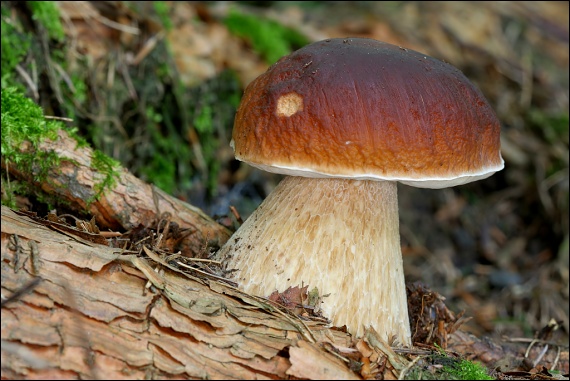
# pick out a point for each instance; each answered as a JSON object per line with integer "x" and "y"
{"x": 156, "y": 85}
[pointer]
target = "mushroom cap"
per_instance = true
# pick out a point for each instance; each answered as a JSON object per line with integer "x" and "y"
{"x": 359, "y": 108}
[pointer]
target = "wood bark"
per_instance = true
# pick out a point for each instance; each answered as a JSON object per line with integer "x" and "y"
{"x": 129, "y": 203}
{"x": 87, "y": 310}
{"x": 92, "y": 316}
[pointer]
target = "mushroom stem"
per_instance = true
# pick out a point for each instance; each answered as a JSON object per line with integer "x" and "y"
{"x": 341, "y": 236}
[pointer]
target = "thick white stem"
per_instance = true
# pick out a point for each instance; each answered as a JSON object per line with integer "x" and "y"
{"x": 341, "y": 236}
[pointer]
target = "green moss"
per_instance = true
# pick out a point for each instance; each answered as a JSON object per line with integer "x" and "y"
{"x": 15, "y": 45}
{"x": 161, "y": 165}
{"x": 269, "y": 38}
{"x": 204, "y": 124}
{"x": 11, "y": 189}
{"x": 440, "y": 366}
{"x": 109, "y": 170}
{"x": 162, "y": 11}
{"x": 23, "y": 121}
{"x": 466, "y": 370}
{"x": 73, "y": 132}
{"x": 80, "y": 89}
{"x": 164, "y": 135}
{"x": 162, "y": 172}
{"x": 215, "y": 102}
{"x": 553, "y": 126}
{"x": 47, "y": 14}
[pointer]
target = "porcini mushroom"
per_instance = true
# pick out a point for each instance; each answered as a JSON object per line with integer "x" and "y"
{"x": 346, "y": 119}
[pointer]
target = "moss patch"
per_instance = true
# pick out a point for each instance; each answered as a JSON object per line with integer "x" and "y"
{"x": 24, "y": 121}
{"x": 15, "y": 45}
{"x": 440, "y": 366}
{"x": 269, "y": 38}
{"x": 46, "y": 13}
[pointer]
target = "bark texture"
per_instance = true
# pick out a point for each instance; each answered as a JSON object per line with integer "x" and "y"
{"x": 76, "y": 309}
{"x": 92, "y": 315}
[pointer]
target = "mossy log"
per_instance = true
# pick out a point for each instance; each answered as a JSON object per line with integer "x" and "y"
{"x": 126, "y": 203}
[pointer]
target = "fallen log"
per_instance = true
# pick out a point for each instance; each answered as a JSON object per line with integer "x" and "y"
{"x": 72, "y": 308}
{"x": 125, "y": 203}
{"x": 90, "y": 314}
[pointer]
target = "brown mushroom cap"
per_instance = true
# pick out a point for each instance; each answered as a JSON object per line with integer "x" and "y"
{"x": 363, "y": 109}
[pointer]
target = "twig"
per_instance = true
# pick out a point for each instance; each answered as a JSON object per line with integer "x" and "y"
{"x": 333, "y": 352}
{"x": 556, "y": 359}
{"x": 537, "y": 341}
{"x": 115, "y": 25}
{"x": 310, "y": 337}
{"x": 204, "y": 260}
{"x": 128, "y": 82}
{"x": 65, "y": 77}
{"x": 236, "y": 214}
{"x": 147, "y": 48}
{"x": 28, "y": 81}
{"x": 408, "y": 367}
{"x": 21, "y": 291}
{"x": 110, "y": 234}
{"x": 202, "y": 271}
{"x": 413, "y": 351}
{"x": 540, "y": 356}
{"x": 58, "y": 118}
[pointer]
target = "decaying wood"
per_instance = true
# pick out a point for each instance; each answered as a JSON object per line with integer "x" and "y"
{"x": 129, "y": 203}
{"x": 73, "y": 308}
{"x": 90, "y": 315}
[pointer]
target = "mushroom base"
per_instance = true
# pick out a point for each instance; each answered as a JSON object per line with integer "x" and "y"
{"x": 341, "y": 236}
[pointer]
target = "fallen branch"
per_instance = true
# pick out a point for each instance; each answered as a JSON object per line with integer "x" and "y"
{"x": 128, "y": 203}
{"x": 90, "y": 316}
{"x": 74, "y": 308}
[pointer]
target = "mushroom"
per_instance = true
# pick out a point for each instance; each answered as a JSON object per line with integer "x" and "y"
{"x": 345, "y": 120}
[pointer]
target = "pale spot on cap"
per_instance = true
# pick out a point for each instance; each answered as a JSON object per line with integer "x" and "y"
{"x": 289, "y": 104}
